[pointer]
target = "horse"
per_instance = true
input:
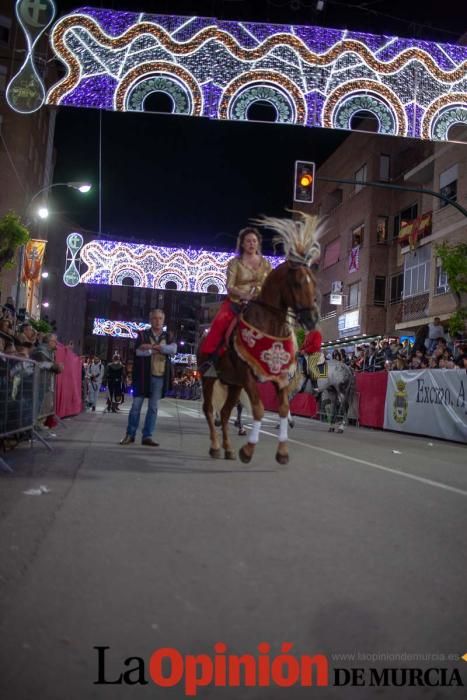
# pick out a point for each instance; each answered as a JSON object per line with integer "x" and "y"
{"x": 262, "y": 346}
{"x": 339, "y": 384}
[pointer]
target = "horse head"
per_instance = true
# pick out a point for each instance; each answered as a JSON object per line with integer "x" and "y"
{"x": 295, "y": 280}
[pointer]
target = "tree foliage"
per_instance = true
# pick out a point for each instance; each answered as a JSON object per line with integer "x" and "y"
{"x": 454, "y": 262}
{"x": 12, "y": 235}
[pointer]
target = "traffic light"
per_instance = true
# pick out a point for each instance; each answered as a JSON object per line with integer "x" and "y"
{"x": 304, "y": 181}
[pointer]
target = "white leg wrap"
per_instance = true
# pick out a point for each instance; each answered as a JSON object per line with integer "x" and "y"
{"x": 283, "y": 429}
{"x": 254, "y": 435}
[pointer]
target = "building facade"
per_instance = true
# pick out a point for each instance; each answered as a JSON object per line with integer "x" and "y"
{"x": 378, "y": 273}
{"x": 26, "y": 150}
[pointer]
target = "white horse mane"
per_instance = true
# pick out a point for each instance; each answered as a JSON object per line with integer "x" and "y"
{"x": 298, "y": 236}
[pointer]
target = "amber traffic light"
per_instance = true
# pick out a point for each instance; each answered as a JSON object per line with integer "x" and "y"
{"x": 304, "y": 181}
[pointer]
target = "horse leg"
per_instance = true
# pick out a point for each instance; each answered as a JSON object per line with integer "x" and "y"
{"x": 208, "y": 386}
{"x": 282, "y": 454}
{"x": 344, "y": 404}
{"x": 257, "y": 408}
{"x": 239, "y": 423}
{"x": 332, "y": 420}
{"x": 232, "y": 399}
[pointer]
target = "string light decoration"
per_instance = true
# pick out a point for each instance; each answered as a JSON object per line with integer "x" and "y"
{"x": 153, "y": 267}
{"x": 217, "y": 69}
{"x": 118, "y": 329}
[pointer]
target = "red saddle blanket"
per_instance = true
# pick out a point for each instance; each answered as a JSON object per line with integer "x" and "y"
{"x": 271, "y": 359}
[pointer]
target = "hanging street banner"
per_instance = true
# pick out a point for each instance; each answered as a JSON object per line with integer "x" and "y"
{"x": 428, "y": 402}
{"x": 33, "y": 259}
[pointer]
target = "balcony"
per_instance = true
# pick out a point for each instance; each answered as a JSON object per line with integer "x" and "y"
{"x": 413, "y": 308}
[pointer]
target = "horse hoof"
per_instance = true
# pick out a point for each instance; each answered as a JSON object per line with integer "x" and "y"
{"x": 242, "y": 431}
{"x": 340, "y": 430}
{"x": 244, "y": 457}
{"x": 215, "y": 454}
{"x": 217, "y": 423}
{"x": 291, "y": 424}
{"x": 229, "y": 454}
{"x": 331, "y": 430}
{"x": 282, "y": 459}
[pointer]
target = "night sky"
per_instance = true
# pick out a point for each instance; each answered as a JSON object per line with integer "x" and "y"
{"x": 182, "y": 180}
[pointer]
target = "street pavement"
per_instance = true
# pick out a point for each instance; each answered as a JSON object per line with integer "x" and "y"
{"x": 355, "y": 548}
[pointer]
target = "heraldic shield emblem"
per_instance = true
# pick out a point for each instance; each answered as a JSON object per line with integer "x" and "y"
{"x": 401, "y": 404}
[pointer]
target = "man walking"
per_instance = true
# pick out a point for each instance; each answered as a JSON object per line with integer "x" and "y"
{"x": 151, "y": 377}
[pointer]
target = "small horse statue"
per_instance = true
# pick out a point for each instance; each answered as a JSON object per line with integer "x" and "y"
{"x": 339, "y": 384}
{"x": 263, "y": 346}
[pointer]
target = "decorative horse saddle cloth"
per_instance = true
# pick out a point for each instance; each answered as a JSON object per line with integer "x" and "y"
{"x": 269, "y": 357}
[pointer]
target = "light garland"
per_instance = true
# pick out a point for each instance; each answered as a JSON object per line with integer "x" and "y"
{"x": 218, "y": 69}
{"x": 153, "y": 267}
{"x": 118, "y": 329}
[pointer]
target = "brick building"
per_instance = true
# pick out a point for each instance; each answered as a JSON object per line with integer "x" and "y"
{"x": 386, "y": 288}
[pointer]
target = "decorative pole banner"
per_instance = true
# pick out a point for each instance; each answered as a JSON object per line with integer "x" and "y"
{"x": 33, "y": 259}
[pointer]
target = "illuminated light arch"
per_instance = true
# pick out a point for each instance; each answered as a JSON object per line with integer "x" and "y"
{"x": 442, "y": 114}
{"x": 335, "y": 106}
{"x": 264, "y": 85}
{"x": 101, "y": 49}
{"x": 191, "y": 269}
{"x": 140, "y": 78}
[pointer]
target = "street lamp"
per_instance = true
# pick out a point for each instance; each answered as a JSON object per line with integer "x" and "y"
{"x": 43, "y": 213}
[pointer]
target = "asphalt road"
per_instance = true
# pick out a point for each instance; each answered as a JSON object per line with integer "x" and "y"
{"x": 352, "y": 549}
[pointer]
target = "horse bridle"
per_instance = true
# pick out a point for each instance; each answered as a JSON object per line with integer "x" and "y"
{"x": 293, "y": 314}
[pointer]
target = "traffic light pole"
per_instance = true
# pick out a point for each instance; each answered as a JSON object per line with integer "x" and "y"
{"x": 390, "y": 186}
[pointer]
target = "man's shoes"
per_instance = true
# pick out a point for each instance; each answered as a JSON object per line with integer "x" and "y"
{"x": 150, "y": 442}
{"x": 127, "y": 440}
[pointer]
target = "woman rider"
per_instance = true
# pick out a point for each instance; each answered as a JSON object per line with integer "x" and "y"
{"x": 246, "y": 273}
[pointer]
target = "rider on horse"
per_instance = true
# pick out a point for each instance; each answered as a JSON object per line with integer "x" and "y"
{"x": 246, "y": 273}
{"x": 311, "y": 351}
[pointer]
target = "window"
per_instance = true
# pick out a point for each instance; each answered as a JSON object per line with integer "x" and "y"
{"x": 354, "y": 295}
{"x": 361, "y": 176}
{"x": 382, "y": 225}
{"x": 448, "y": 185}
{"x": 441, "y": 281}
{"x": 331, "y": 253}
{"x": 404, "y": 217}
{"x": 357, "y": 235}
{"x": 384, "y": 167}
{"x": 397, "y": 285}
{"x": 417, "y": 267}
{"x": 380, "y": 291}
{"x": 327, "y": 309}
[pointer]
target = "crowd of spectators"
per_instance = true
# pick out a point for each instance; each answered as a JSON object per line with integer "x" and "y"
{"x": 433, "y": 349}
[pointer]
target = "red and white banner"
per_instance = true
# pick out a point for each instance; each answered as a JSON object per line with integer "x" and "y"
{"x": 354, "y": 259}
{"x": 270, "y": 358}
{"x": 33, "y": 259}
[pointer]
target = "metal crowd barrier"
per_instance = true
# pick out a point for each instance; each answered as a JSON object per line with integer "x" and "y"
{"x": 26, "y": 398}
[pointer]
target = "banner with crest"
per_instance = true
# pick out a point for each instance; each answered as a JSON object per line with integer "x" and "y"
{"x": 33, "y": 259}
{"x": 428, "y": 402}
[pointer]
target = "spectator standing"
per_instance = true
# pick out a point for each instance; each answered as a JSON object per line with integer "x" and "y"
{"x": 115, "y": 379}
{"x": 152, "y": 376}
{"x": 435, "y": 332}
